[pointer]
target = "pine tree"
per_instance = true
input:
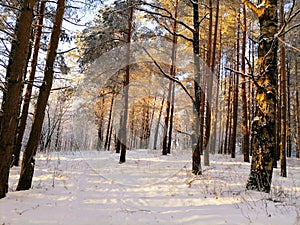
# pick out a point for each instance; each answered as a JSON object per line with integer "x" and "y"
{"x": 28, "y": 161}
{"x": 10, "y": 106}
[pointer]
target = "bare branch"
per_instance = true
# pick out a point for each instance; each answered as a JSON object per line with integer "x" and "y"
{"x": 243, "y": 74}
{"x": 182, "y": 132}
{"x": 60, "y": 88}
{"x": 288, "y": 30}
{"x": 10, "y": 7}
{"x": 168, "y": 76}
{"x": 167, "y": 15}
{"x": 172, "y": 32}
{"x": 287, "y": 44}
{"x": 68, "y": 50}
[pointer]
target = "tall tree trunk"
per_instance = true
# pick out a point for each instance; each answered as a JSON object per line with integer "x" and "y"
{"x": 10, "y": 106}
{"x": 126, "y": 86}
{"x": 173, "y": 73}
{"x": 212, "y": 67}
{"x": 289, "y": 140}
{"x": 236, "y": 92}
{"x": 210, "y": 34}
{"x": 196, "y": 135}
{"x": 219, "y": 90}
{"x": 228, "y": 118}
{"x": 16, "y": 153}
{"x": 251, "y": 91}
{"x": 297, "y": 108}
{"x": 263, "y": 125}
{"x": 209, "y": 87}
{"x": 28, "y": 161}
{"x": 245, "y": 129}
{"x": 230, "y": 115}
{"x": 283, "y": 102}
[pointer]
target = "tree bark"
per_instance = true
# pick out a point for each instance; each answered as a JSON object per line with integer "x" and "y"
{"x": 235, "y": 93}
{"x": 212, "y": 67}
{"x": 209, "y": 87}
{"x": 28, "y": 161}
{"x": 228, "y": 119}
{"x": 297, "y": 108}
{"x": 289, "y": 139}
{"x": 166, "y": 121}
{"x": 196, "y": 135}
{"x": 263, "y": 125}
{"x": 245, "y": 129}
{"x": 173, "y": 73}
{"x": 10, "y": 106}
{"x": 283, "y": 105}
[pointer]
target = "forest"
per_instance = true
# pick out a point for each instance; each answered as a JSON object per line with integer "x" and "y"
{"x": 214, "y": 79}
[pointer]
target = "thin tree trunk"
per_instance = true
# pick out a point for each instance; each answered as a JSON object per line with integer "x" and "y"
{"x": 209, "y": 87}
{"x": 196, "y": 135}
{"x": 10, "y": 105}
{"x": 100, "y": 125}
{"x": 278, "y": 122}
{"x": 283, "y": 105}
{"x": 172, "y": 73}
{"x": 220, "y": 89}
{"x": 28, "y": 161}
{"x": 171, "y": 119}
{"x": 126, "y": 86}
{"x": 245, "y": 129}
{"x": 201, "y": 118}
{"x": 158, "y": 123}
{"x": 230, "y": 115}
{"x": 57, "y": 145}
{"x": 210, "y": 35}
{"x": 118, "y": 137}
{"x": 235, "y": 93}
{"x": 297, "y": 108}
{"x": 145, "y": 134}
{"x": 152, "y": 119}
{"x": 166, "y": 121}
{"x": 289, "y": 141}
{"x": 212, "y": 67}
{"x": 227, "y": 126}
{"x": 110, "y": 135}
{"x": 251, "y": 92}
{"x": 109, "y": 123}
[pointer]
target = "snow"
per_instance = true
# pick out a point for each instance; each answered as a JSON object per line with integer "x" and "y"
{"x": 90, "y": 187}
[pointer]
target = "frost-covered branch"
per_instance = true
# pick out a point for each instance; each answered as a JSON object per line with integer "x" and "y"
{"x": 168, "y": 14}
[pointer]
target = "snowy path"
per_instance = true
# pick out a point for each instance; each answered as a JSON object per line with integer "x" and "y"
{"x": 92, "y": 188}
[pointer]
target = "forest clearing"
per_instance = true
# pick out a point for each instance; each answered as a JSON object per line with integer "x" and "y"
{"x": 91, "y": 187}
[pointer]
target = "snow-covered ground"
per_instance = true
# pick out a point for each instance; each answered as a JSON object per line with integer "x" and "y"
{"x": 92, "y": 188}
